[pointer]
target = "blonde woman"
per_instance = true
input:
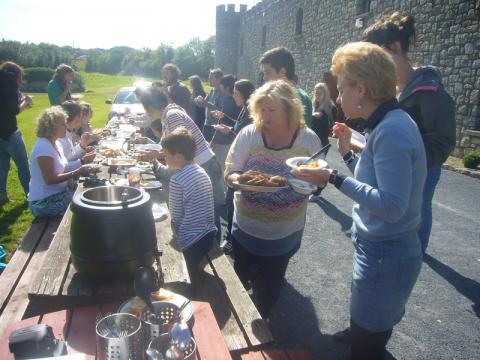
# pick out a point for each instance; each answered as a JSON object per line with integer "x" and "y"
{"x": 51, "y": 187}
{"x": 324, "y": 112}
{"x": 387, "y": 190}
{"x": 267, "y": 227}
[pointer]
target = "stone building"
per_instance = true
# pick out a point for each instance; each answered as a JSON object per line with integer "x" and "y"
{"x": 448, "y": 36}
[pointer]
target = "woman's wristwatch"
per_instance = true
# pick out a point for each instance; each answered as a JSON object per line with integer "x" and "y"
{"x": 349, "y": 157}
{"x": 336, "y": 179}
{"x": 333, "y": 176}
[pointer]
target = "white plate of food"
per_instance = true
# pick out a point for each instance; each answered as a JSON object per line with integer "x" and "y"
{"x": 159, "y": 212}
{"x": 148, "y": 147}
{"x": 136, "y": 305}
{"x": 313, "y": 164}
{"x": 126, "y": 162}
{"x": 150, "y": 184}
{"x": 301, "y": 186}
{"x": 257, "y": 181}
{"x": 255, "y": 188}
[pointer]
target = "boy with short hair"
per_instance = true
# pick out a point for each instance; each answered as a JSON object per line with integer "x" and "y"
{"x": 190, "y": 200}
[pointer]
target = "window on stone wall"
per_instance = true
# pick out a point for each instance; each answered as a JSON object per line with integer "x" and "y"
{"x": 241, "y": 46}
{"x": 264, "y": 36}
{"x": 362, "y": 6}
{"x": 299, "y": 23}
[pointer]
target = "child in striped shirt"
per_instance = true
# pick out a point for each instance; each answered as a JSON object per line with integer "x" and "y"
{"x": 190, "y": 200}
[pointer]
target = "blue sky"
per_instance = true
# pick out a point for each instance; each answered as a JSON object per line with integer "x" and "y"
{"x": 107, "y": 23}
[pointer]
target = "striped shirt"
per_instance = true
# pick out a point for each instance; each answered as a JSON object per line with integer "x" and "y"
{"x": 174, "y": 117}
{"x": 191, "y": 205}
{"x": 264, "y": 218}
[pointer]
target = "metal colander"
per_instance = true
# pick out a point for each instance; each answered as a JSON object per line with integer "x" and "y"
{"x": 161, "y": 322}
{"x": 163, "y": 342}
{"x": 119, "y": 337}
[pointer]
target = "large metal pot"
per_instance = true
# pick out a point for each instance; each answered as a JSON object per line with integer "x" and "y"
{"x": 112, "y": 231}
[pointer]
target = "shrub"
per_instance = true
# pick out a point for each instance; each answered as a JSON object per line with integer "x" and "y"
{"x": 472, "y": 160}
{"x": 35, "y": 74}
{"x": 37, "y": 79}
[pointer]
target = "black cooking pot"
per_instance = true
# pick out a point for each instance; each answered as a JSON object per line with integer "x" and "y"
{"x": 112, "y": 231}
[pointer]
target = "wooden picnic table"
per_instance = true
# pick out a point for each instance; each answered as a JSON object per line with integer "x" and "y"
{"x": 41, "y": 267}
{"x": 58, "y": 283}
{"x": 77, "y": 326}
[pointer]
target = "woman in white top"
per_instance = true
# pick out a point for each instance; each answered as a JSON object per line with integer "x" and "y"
{"x": 77, "y": 152}
{"x": 51, "y": 185}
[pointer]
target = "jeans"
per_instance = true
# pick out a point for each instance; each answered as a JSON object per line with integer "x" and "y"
{"x": 14, "y": 148}
{"x": 53, "y": 205}
{"x": 214, "y": 172}
{"x": 384, "y": 274}
{"x": 221, "y": 152}
{"x": 433, "y": 176}
{"x": 194, "y": 255}
{"x": 263, "y": 274}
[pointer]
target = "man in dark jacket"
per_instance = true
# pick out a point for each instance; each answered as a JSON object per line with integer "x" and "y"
{"x": 430, "y": 106}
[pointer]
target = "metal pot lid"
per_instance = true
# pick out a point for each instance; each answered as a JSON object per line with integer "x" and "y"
{"x": 112, "y": 195}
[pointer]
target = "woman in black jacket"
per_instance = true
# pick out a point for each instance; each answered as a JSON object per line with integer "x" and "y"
{"x": 241, "y": 93}
{"x": 12, "y": 145}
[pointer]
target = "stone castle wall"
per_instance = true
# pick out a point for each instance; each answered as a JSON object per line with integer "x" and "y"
{"x": 448, "y": 36}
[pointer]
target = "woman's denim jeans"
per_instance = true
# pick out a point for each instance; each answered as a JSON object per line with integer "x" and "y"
{"x": 14, "y": 148}
{"x": 384, "y": 274}
{"x": 433, "y": 176}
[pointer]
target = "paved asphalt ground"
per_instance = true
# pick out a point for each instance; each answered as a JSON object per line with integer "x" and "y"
{"x": 442, "y": 318}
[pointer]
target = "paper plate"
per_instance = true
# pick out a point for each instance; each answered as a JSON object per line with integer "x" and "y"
{"x": 159, "y": 212}
{"x": 292, "y": 162}
{"x": 255, "y": 188}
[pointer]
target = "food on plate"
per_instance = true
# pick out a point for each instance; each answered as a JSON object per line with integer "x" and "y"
{"x": 109, "y": 153}
{"x": 121, "y": 162}
{"x": 135, "y": 307}
{"x": 162, "y": 295}
{"x": 310, "y": 165}
{"x": 258, "y": 178}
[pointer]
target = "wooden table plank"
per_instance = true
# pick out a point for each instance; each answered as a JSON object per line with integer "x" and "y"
{"x": 210, "y": 342}
{"x": 212, "y": 291}
{"x": 252, "y": 355}
{"x": 254, "y": 326}
{"x": 299, "y": 355}
{"x": 81, "y": 334}
{"x": 20, "y": 260}
{"x": 52, "y": 275}
{"x": 275, "y": 355}
{"x": 173, "y": 264}
{"x": 18, "y": 302}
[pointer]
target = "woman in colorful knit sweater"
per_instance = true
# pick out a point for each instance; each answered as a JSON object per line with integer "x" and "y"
{"x": 268, "y": 227}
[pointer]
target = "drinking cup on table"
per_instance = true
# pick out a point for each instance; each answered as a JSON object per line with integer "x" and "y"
{"x": 134, "y": 177}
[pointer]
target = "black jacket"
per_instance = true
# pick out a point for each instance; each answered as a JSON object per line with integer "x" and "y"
{"x": 430, "y": 106}
{"x": 9, "y": 105}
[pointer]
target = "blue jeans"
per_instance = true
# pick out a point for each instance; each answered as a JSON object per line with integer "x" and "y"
{"x": 214, "y": 172}
{"x": 53, "y": 205}
{"x": 384, "y": 274}
{"x": 433, "y": 176}
{"x": 14, "y": 148}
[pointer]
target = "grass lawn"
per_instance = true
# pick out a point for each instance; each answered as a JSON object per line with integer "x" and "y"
{"x": 15, "y": 218}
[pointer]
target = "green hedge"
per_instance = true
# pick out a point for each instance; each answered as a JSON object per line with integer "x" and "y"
{"x": 37, "y": 79}
{"x": 472, "y": 160}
